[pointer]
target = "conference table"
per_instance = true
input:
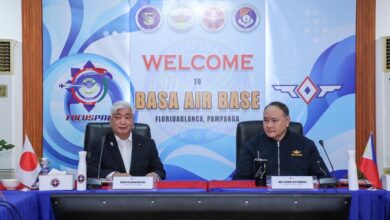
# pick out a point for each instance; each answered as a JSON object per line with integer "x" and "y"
{"x": 35, "y": 205}
{"x": 385, "y": 206}
{"x": 365, "y": 204}
{"x": 19, "y": 205}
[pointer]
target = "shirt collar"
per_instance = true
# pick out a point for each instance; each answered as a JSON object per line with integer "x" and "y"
{"x": 118, "y": 139}
{"x": 283, "y": 138}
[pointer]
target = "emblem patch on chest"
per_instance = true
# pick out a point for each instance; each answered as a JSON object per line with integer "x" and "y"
{"x": 296, "y": 153}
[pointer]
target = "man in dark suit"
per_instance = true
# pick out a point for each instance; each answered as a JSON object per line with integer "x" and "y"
{"x": 125, "y": 153}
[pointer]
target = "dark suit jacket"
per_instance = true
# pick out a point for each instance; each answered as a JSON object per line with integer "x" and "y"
{"x": 144, "y": 158}
{"x": 294, "y": 155}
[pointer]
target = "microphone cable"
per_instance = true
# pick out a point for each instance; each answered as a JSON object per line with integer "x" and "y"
{"x": 321, "y": 142}
{"x": 101, "y": 150}
{"x": 94, "y": 183}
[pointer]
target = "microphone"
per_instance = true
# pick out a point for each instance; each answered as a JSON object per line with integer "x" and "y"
{"x": 97, "y": 182}
{"x": 328, "y": 181}
{"x": 101, "y": 156}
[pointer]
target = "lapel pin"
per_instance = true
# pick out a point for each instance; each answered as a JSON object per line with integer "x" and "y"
{"x": 112, "y": 144}
{"x": 139, "y": 145}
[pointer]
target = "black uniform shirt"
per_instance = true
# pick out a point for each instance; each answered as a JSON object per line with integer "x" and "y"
{"x": 294, "y": 155}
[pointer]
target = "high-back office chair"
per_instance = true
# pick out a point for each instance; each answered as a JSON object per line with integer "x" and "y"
{"x": 94, "y": 132}
{"x": 248, "y": 129}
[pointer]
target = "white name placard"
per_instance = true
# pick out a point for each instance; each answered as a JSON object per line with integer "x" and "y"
{"x": 133, "y": 182}
{"x": 56, "y": 182}
{"x": 292, "y": 182}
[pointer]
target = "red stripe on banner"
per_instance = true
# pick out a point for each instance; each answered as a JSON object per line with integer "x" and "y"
{"x": 182, "y": 185}
{"x": 232, "y": 184}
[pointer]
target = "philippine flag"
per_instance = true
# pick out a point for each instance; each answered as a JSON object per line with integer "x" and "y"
{"x": 368, "y": 164}
{"x": 29, "y": 167}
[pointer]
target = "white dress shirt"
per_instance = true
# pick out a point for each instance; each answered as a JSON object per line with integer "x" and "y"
{"x": 125, "y": 148}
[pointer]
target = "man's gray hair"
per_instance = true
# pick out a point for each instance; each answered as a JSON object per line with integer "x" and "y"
{"x": 120, "y": 105}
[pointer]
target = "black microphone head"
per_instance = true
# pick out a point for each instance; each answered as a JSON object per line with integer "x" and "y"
{"x": 327, "y": 156}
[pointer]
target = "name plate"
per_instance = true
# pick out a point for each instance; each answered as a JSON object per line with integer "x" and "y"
{"x": 292, "y": 182}
{"x": 133, "y": 182}
{"x": 56, "y": 182}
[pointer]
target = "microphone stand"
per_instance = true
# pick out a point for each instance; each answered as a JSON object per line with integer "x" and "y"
{"x": 96, "y": 183}
{"x": 328, "y": 181}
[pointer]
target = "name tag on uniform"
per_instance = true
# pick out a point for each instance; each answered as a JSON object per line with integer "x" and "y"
{"x": 292, "y": 182}
{"x": 133, "y": 182}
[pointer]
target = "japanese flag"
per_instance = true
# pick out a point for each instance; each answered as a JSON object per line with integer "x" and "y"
{"x": 28, "y": 168}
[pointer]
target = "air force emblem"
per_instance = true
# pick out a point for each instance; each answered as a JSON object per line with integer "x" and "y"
{"x": 307, "y": 90}
{"x": 296, "y": 153}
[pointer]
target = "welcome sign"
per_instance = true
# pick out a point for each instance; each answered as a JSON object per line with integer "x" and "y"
{"x": 193, "y": 69}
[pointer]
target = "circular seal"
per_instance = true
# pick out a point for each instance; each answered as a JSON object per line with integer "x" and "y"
{"x": 181, "y": 19}
{"x": 246, "y": 18}
{"x": 81, "y": 178}
{"x": 55, "y": 182}
{"x": 91, "y": 85}
{"x": 148, "y": 18}
{"x": 213, "y": 19}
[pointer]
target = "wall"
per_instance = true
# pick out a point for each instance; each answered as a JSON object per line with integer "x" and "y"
{"x": 11, "y": 28}
{"x": 11, "y": 114}
{"x": 382, "y": 88}
{"x": 11, "y": 19}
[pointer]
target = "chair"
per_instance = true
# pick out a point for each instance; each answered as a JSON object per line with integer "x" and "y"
{"x": 248, "y": 129}
{"x": 94, "y": 132}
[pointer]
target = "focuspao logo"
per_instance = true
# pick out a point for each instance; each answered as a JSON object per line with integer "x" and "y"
{"x": 88, "y": 86}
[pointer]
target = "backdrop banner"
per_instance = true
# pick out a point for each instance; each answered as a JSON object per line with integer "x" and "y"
{"x": 194, "y": 69}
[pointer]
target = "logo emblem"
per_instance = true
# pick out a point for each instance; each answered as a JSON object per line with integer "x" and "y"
{"x": 213, "y": 19}
{"x": 296, "y": 153}
{"x": 307, "y": 90}
{"x": 81, "y": 178}
{"x": 181, "y": 19}
{"x": 246, "y": 18}
{"x": 88, "y": 86}
{"x": 148, "y": 18}
{"x": 55, "y": 182}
